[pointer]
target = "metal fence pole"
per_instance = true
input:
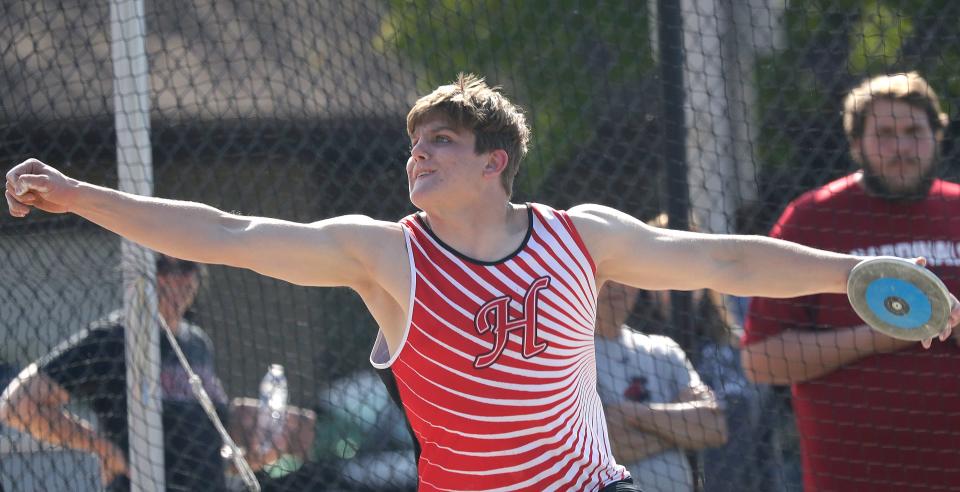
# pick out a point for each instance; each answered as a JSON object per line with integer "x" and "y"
{"x": 131, "y": 97}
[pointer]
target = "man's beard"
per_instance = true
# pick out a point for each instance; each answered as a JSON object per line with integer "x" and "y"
{"x": 876, "y": 186}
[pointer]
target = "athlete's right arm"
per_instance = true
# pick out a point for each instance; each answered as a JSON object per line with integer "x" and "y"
{"x": 33, "y": 403}
{"x": 336, "y": 252}
{"x": 794, "y": 356}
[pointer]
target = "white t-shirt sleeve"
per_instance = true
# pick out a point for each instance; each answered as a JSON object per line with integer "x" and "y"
{"x": 679, "y": 370}
{"x": 608, "y": 372}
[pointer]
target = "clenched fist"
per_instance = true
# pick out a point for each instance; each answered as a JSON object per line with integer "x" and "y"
{"x": 33, "y": 184}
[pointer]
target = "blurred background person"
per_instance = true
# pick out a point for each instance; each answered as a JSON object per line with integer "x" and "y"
{"x": 751, "y": 459}
{"x": 872, "y": 411}
{"x": 363, "y": 436}
{"x": 656, "y": 405}
{"x": 753, "y": 456}
{"x": 90, "y": 369}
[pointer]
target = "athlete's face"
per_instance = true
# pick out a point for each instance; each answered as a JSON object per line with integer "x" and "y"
{"x": 898, "y": 148}
{"x": 443, "y": 166}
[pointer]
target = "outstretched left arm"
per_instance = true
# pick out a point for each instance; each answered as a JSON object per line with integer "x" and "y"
{"x": 630, "y": 252}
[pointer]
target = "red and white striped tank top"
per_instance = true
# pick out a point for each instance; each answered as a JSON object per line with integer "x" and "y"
{"x": 496, "y": 371}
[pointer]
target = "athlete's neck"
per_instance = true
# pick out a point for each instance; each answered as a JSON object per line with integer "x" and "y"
{"x": 483, "y": 233}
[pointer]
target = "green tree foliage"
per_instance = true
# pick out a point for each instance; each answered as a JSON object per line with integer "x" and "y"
{"x": 831, "y": 45}
{"x": 877, "y": 37}
{"x": 562, "y": 59}
{"x": 557, "y": 58}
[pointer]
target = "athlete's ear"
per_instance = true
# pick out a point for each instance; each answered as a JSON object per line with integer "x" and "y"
{"x": 496, "y": 162}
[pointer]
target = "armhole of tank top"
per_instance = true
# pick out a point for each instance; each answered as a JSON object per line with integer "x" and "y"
{"x": 380, "y": 354}
{"x": 565, "y": 218}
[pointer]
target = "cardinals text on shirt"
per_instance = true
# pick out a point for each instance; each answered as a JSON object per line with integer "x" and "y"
{"x": 937, "y": 252}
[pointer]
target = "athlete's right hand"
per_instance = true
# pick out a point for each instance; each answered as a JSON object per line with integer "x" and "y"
{"x": 33, "y": 184}
{"x": 113, "y": 462}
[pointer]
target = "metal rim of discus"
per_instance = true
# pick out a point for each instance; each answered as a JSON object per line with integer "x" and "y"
{"x": 899, "y": 298}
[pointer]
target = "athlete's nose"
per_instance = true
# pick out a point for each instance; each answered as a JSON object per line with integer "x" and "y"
{"x": 418, "y": 151}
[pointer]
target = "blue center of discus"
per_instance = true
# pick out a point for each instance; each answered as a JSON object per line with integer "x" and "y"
{"x": 899, "y": 303}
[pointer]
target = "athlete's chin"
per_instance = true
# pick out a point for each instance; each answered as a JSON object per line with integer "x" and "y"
{"x": 421, "y": 198}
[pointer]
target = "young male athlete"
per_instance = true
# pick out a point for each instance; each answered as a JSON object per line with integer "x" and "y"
{"x": 486, "y": 308}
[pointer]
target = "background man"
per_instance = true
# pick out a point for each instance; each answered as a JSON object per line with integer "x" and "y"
{"x": 90, "y": 368}
{"x": 871, "y": 411}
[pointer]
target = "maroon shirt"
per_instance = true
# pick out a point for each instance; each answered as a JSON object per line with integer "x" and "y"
{"x": 886, "y": 422}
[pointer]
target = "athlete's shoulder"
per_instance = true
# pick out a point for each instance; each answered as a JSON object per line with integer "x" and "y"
{"x": 363, "y": 226}
{"x": 363, "y": 238}
{"x": 412, "y": 217}
{"x": 592, "y": 209}
{"x": 362, "y": 220}
{"x": 605, "y": 223}
{"x": 593, "y": 222}
{"x": 594, "y": 215}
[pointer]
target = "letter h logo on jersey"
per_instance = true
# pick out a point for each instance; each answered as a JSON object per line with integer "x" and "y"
{"x": 494, "y": 317}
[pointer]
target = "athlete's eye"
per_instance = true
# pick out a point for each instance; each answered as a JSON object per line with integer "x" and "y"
{"x": 442, "y": 139}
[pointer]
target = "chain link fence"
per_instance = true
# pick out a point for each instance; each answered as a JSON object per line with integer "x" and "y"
{"x": 295, "y": 110}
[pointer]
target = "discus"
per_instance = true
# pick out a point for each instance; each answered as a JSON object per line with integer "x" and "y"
{"x": 899, "y": 298}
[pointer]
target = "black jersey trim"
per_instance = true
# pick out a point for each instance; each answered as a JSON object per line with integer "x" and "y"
{"x": 523, "y": 244}
{"x": 390, "y": 382}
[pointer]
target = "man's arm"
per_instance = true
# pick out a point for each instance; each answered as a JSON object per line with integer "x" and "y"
{"x": 695, "y": 421}
{"x": 630, "y": 444}
{"x": 795, "y": 356}
{"x": 628, "y": 251}
{"x": 337, "y": 252}
{"x": 33, "y": 403}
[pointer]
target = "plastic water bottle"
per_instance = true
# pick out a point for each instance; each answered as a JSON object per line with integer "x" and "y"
{"x": 272, "y": 410}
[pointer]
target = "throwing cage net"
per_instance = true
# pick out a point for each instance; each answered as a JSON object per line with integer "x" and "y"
{"x": 698, "y": 114}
